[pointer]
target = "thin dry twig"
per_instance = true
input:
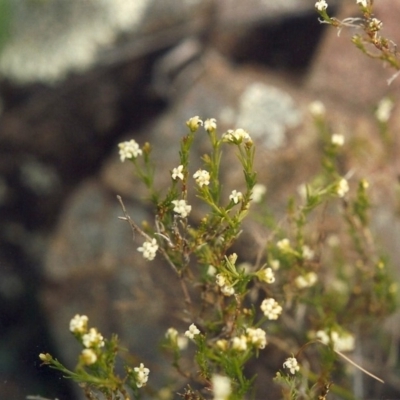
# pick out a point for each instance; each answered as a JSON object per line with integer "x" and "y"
{"x": 358, "y": 366}
{"x": 135, "y": 228}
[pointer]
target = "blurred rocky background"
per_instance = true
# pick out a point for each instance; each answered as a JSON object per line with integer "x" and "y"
{"x": 79, "y": 76}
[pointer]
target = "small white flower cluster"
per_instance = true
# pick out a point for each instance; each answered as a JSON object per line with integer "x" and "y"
{"x": 226, "y": 288}
{"x": 292, "y": 365}
{"x": 275, "y": 264}
{"x": 317, "y": 108}
{"x": 375, "y": 24}
{"x": 211, "y": 271}
{"x": 88, "y": 356}
{"x": 257, "y": 337}
{"x": 364, "y": 3}
{"x": 91, "y": 339}
{"x": 307, "y": 252}
{"x": 210, "y": 125}
{"x": 307, "y": 280}
{"x": 236, "y": 136}
{"x": 342, "y": 187}
{"x": 236, "y": 196}
{"x": 364, "y": 183}
{"x": 78, "y": 324}
{"x": 192, "y": 331}
{"x": 258, "y": 192}
{"x": 239, "y": 343}
{"x": 202, "y": 177}
{"x": 284, "y": 245}
{"x": 142, "y": 375}
{"x": 149, "y": 249}
{"x": 128, "y": 150}
{"x": 384, "y": 110}
{"x": 221, "y": 386}
{"x": 321, "y": 5}
{"x": 271, "y": 308}
{"x": 266, "y": 275}
{"x": 176, "y": 339}
{"x": 254, "y": 336}
{"x": 337, "y": 139}
{"x": 341, "y": 342}
{"x": 182, "y": 208}
{"x": 194, "y": 123}
{"x": 177, "y": 173}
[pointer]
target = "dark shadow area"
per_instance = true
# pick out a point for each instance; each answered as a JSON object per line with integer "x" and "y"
{"x": 288, "y": 45}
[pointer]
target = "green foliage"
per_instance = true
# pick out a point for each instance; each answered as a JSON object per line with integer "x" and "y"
{"x": 227, "y": 334}
{"x": 328, "y": 286}
{"x": 5, "y": 19}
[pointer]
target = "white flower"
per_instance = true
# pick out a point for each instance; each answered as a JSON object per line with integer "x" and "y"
{"x": 246, "y": 267}
{"x": 227, "y": 290}
{"x": 175, "y": 339}
{"x": 235, "y": 196}
{"x": 194, "y": 123}
{"x": 341, "y": 342}
{"x": 257, "y": 336}
{"x": 202, "y": 177}
{"x": 308, "y": 253}
{"x": 337, "y": 139}
{"x": 375, "y": 24}
{"x": 342, "y": 187}
{"x": 211, "y": 271}
{"x": 283, "y": 244}
{"x": 177, "y": 173}
{"x": 364, "y": 3}
{"x": 323, "y": 337}
{"x": 308, "y": 280}
{"x": 291, "y": 364}
{"x": 192, "y": 331}
{"x": 275, "y": 264}
{"x": 172, "y": 334}
{"x": 239, "y": 343}
{"x": 181, "y": 208}
{"x": 317, "y": 108}
{"x": 88, "y": 356}
{"x": 364, "y": 184}
{"x": 266, "y": 275}
{"x": 384, "y": 110}
{"x": 142, "y": 375}
{"x": 210, "y": 124}
{"x": 345, "y": 342}
{"x": 221, "y": 386}
{"x": 129, "y": 150}
{"x": 233, "y": 258}
{"x": 78, "y": 324}
{"x": 321, "y": 5}
{"x": 221, "y": 280}
{"x": 271, "y": 308}
{"x": 302, "y": 191}
{"x": 258, "y": 192}
{"x": 241, "y": 134}
{"x": 182, "y": 342}
{"x": 93, "y": 338}
{"x": 149, "y": 249}
{"x": 222, "y": 344}
{"x": 238, "y": 135}
{"x": 45, "y": 357}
